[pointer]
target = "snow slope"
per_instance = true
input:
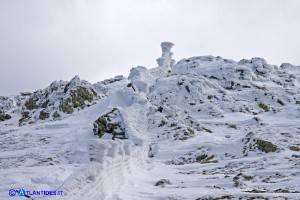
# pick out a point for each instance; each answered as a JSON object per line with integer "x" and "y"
{"x": 203, "y": 128}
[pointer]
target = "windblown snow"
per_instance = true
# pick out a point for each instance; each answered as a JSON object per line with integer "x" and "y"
{"x": 202, "y": 128}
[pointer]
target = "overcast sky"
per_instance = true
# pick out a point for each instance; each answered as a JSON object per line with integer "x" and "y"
{"x": 46, "y": 40}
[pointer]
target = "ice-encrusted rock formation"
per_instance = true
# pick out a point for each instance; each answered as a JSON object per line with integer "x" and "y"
{"x": 166, "y": 61}
{"x": 140, "y": 79}
{"x": 6, "y": 103}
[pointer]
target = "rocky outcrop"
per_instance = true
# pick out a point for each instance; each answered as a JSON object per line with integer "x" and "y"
{"x": 110, "y": 125}
{"x": 6, "y": 104}
{"x": 57, "y": 100}
{"x": 4, "y": 117}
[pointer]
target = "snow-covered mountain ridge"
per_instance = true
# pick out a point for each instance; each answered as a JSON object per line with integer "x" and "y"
{"x": 202, "y": 128}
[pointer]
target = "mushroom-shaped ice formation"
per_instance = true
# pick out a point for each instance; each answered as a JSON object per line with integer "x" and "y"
{"x": 166, "y": 61}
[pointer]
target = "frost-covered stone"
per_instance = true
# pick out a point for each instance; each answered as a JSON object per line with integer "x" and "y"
{"x": 58, "y": 99}
{"x": 140, "y": 79}
{"x": 113, "y": 80}
{"x": 163, "y": 183}
{"x": 4, "y": 117}
{"x": 6, "y": 103}
{"x": 166, "y": 61}
{"x": 110, "y": 125}
{"x": 287, "y": 66}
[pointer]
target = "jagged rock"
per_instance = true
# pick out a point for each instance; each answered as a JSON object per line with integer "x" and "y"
{"x": 4, "y": 117}
{"x": 113, "y": 80}
{"x": 56, "y": 115}
{"x": 294, "y": 148}
{"x": 43, "y": 115}
{"x": 25, "y": 118}
{"x": 6, "y": 104}
{"x": 56, "y": 100}
{"x": 163, "y": 183}
{"x": 265, "y": 146}
{"x": 253, "y": 144}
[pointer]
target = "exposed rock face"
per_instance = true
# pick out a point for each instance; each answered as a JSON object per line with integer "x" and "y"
{"x": 112, "y": 80}
{"x": 163, "y": 183}
{"x": 4, "y": 117}
{"x": 58, "y": 99}
{"x": 6, "y": 104}
{"x": 110, "y": 125}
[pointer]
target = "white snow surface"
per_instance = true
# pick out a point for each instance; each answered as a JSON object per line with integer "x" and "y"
{"x": 198, "y": 125}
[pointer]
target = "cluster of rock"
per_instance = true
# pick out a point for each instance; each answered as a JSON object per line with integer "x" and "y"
{"x": 56, "y": 100}
{"x": 6, "y": 104}
{"x": 111, "y": 125}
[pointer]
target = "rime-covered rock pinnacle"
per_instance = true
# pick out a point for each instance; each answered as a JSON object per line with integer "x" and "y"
{"x": 166, "y": 61}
